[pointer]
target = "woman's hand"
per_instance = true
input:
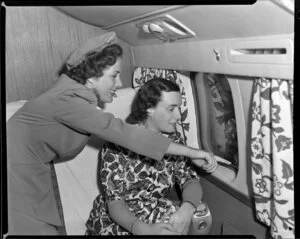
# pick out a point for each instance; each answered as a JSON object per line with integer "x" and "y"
{"x": 208, "y": 161}
{"x": 181, "y": 219}
{"x": 162, "y": 229}
{"x": 142, "y": 228}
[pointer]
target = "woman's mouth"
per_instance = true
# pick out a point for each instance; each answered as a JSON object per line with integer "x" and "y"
{"x": 113, "y": 94}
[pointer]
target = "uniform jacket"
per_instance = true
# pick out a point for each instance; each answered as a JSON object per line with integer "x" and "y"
{"x": 57, "y": 125}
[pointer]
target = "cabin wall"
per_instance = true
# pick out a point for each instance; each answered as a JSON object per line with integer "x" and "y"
{"x": 216, "y": 56}
{"x": 230, "y": 216}
{"x": 38, "y": 42}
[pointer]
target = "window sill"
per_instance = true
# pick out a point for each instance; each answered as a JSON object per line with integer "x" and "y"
{"x": 224, "y": 174}
{"x": 227, "y": 180}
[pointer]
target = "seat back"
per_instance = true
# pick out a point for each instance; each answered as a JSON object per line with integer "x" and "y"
{"x": 77, "y": 178}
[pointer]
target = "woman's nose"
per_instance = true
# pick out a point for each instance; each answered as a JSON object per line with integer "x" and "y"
{"x": 177, "y": 114}
{"x": 119, "y": 83}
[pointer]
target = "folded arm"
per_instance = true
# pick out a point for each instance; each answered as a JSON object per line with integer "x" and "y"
{"x": 120, "y": 213}
{"x": 115, "y": 194}
{"x": 188, "y": 180}
{"x": 191, "y": 196}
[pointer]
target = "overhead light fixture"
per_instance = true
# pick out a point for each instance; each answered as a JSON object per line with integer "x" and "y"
{"x": 166, "y": 28}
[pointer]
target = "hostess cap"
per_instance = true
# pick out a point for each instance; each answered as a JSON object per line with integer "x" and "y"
{"x": 95, "y": 44}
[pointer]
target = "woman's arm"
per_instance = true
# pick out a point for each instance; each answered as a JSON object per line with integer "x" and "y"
{"x": 118, "y": 210}
{"x": 113, "y": 177}
{"x": 192, "y": 192}
{"x": 73, "y": 109}
{"x": 191, "y": 189}
{"x": 191, "y": 196}
{"x": 120, "y": 213}
{"x": 182, "y": 150}
{"x": 200, "y": 158}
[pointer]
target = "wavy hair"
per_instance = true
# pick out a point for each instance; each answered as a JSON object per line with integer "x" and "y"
{"x": 148, "y": 96}
{"x": 94, "y": 64}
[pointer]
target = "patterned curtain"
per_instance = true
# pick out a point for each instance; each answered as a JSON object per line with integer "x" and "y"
{"x": 186, "y": 128}
{"x": 272, "y": 155}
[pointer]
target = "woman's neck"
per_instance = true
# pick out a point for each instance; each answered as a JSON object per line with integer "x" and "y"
{"x": 149, "y": 125}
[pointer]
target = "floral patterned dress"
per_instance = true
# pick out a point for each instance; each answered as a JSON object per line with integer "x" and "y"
{"x": 141, "y": 182}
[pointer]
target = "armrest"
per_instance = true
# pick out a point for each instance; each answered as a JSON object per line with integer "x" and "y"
{"x": 202, "y": 220}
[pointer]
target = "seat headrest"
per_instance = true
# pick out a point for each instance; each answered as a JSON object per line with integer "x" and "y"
{"x": 120, "y": 107}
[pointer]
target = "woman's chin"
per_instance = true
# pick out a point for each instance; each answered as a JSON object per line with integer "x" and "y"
{"x": 169, "y": 130}
{"x": 107, "y": 100}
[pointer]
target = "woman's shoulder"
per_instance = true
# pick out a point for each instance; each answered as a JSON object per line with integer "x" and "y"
{"x": 66, "y": 88}
{"x": 116, "y": 149}
{"x": 112, "y": 147}
{"x": 175, "y": 137}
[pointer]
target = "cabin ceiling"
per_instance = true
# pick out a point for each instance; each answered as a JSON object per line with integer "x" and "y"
{"x": 105, "y": 16}
{"x": 209, "y": 22}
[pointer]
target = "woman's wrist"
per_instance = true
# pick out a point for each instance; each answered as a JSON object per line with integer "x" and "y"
{"x": 196, "y": 153}
{"x": 188, "y": 202}
{"x": 138, "y": 227}
{"x": 192, "y": 152}
{"x": 180, "y": 149}
{"x": 132, "y": 225}
{"x": 188, "y": 205}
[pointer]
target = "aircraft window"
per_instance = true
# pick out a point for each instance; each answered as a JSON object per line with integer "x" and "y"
{"x": 217, "y": 119}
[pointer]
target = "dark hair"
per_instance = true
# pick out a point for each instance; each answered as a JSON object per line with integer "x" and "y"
{"x": 148, "y": 97}
{"x": 94, "y": 64}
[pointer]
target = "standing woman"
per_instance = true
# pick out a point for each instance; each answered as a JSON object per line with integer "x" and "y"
{"x": 57, "y": 125}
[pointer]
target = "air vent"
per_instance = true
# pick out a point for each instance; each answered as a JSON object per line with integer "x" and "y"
{"x": 263, "y": 51}
{"x": 279, "y": 51}
{"x": 165, "y": 28}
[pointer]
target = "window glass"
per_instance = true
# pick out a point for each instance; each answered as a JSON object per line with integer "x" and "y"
{"x": 222, "y": 118}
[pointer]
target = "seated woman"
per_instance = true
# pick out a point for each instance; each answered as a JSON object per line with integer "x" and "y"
{"x": 136, "y": 187}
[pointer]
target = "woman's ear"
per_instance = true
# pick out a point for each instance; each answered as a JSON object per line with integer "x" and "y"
{"x": 89, "y": 83}
{"x": 150, "y": 112}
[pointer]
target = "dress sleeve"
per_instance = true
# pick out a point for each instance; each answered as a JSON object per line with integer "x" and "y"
{"x": 184, "y": 169}
{"x": 112, "y": 172}
{"x": 80, "y": 115}
{"x": 188, "y": 179}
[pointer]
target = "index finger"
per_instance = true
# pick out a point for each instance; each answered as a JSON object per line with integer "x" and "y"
{"x": 219, "y": 159}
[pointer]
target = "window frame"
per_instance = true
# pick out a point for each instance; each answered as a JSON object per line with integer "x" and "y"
{"x": 234, "y": 183}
